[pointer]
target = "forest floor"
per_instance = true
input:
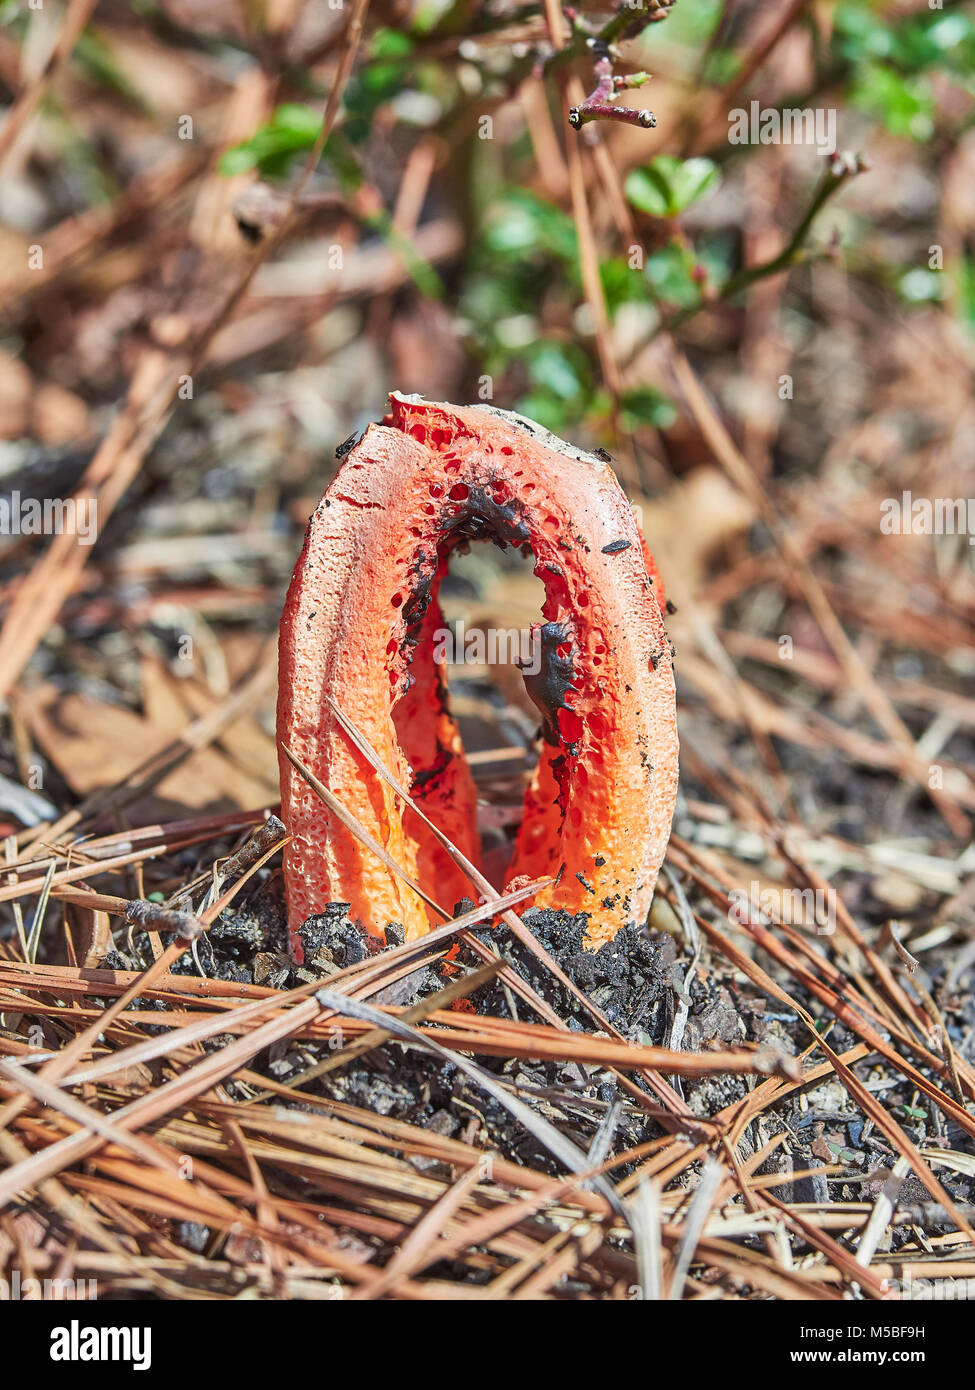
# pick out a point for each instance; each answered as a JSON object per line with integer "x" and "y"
{"x": 767, "y": 1091}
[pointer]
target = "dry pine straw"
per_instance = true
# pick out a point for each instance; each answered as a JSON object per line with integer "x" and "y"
{"x": 117, "y": 1135}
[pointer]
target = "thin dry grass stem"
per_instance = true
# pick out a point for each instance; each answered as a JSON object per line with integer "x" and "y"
{"x": 768, "y": 39}
{"x": 834, "y": 994}
{"x": 859, "y": 677}
{"x": 152, "y": 394}
{"x": 546, "y": 1133}
{"x": 460, "y": 988}
{"x": 712, "y": 1176}
{"x": 857, "y": 1090}
{"x": 666, "y": 1092}
{"x": 196, "y": 736}
{"x": 238, "y": 1016}
{"x": 27, "y": 100}
{"x": 85, "y": 1040}
{"x": 422, "y": 1246}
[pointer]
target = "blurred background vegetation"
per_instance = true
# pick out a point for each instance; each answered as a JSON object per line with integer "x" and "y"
{"x": 454, "y": 122}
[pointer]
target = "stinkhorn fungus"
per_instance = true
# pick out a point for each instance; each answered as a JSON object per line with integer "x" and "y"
{"x": 359, "y": 626}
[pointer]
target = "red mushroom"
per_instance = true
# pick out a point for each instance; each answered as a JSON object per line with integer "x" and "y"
{"x": 358, "y": 627}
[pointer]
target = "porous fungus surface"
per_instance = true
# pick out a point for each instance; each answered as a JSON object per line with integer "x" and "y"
{"x": 359, "y": 626}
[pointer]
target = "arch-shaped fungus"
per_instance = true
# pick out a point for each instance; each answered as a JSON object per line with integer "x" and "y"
{"x": 359, "y": 626}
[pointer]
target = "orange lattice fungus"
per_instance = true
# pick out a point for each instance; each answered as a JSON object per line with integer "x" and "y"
{"x": 359, "y": 626}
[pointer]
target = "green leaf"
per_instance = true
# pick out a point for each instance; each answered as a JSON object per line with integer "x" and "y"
{"x": 558, "y": 369}
{"x": 648, "y": 190}
{"x": 667, "y": 185}
{"x": 965, "y": 287}
{"x": 691, "y": 179}
{"x": 859, "y": 33}
{"x": 549, "y": 411}
{"x": 292, "y": 128}
{"x": 669, "y": 272}
{"x": 720, "y": 67}
{"x": 691, "y": 25}
{"x": 622, "y": 284}
{"x": 390, "y": 43}
{"x": 904, "y": 104}
{"x": 644, "y": 405}
{"x": 521, "y": 224}
{"x": 94, "y": 54}
{"x": 916, "y": 42}
{"x": 295, "y": 123}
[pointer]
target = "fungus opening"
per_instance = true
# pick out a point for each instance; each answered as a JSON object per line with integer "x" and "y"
{"x": 488, "y": 655}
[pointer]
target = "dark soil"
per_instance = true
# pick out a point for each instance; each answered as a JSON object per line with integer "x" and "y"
{"x": 635, "y": 981}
